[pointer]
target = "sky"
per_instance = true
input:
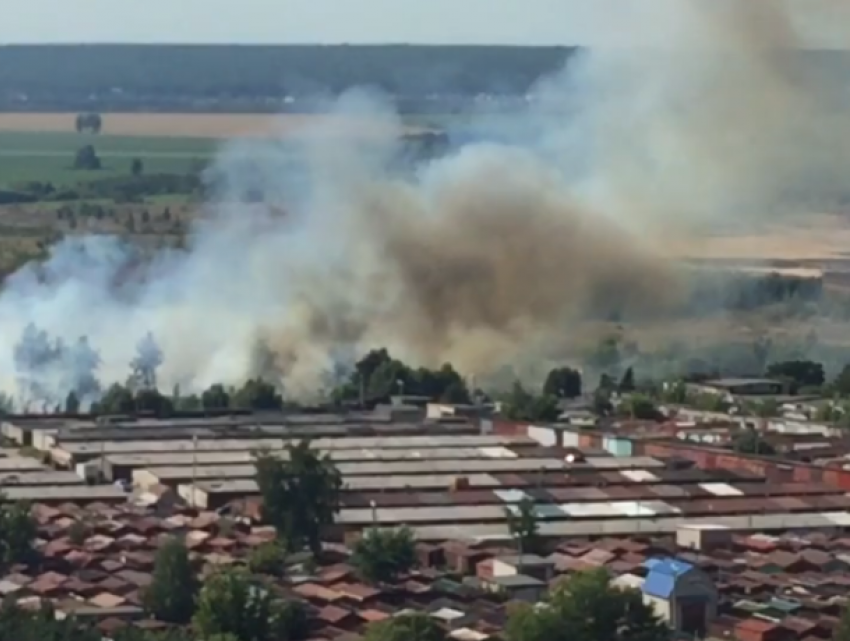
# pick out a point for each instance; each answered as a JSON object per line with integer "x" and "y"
{"x": 300, "y": 21}
{"x": 518, "y": 22}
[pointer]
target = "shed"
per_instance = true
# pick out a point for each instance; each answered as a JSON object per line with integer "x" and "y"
{"x": 682, "y": 594}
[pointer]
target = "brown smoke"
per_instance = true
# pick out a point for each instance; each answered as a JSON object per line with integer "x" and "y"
{"x": 482, "y": 259}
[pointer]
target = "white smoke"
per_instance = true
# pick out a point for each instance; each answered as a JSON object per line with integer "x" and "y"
{"x": 486, "y": 253}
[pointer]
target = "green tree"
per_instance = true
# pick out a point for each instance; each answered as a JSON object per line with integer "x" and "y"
{"x": 522, "y": 405}
{"x": 268, "y": 558}
{"x": 151, "y": 400}
{"x": 642, "y": 408}
{"x": 675, "y": 392}
{"x": 414, "y": 626}
{"x": 17, "y": 532}
{"x": 378, "y": 375}
{"x": 585, "y": 607}
{"x": 767, "y": 408}
{"x": 627, "y": 383}
{"x": 86, "y": 159}
{"x": 7, "y": 403}
{"x": 381, "y": 555}
{"x": 841, "y": 385}
{"x": 72, "y": 403}
{"x": 523, "y": 526}
{"x": 749, "y": 441}
{"x": 798, "y": 373}
{"x": 300, "y": 494}
{"x": 232, "y": 603}
{"x": 215, "y": 398}
{"x": 257, "y": 394}
{"x": 390, "y": 377}
{"x": 171, "y": 595}
{"x": 137, "y": 167}
{"x": 563, "y": 382}
{"x": 117, "y": 400}
{"x": 26, "y": 624}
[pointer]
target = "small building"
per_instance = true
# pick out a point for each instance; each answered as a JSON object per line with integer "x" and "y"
{"x": 681, "y": 594}
{"x": 703, "y": 536}
{"x": 517, "y": 587}
{"x": 529, "y": 564}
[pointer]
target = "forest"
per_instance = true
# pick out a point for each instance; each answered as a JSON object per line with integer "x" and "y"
{"x": 260, "y": 78}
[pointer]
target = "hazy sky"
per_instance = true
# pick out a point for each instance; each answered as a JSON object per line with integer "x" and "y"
{"x": 353, "y": 21}
{"x": 275, "y": 21}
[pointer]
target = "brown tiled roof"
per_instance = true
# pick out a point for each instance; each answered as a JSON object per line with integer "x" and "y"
{"x": 333, "y": 614}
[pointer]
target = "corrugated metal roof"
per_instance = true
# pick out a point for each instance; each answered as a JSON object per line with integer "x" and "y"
{"x": 659, "y": 524}
{"x": 721, "y": 489}
{"x": 640, "y": 476}
{"x": 620, "y": 462}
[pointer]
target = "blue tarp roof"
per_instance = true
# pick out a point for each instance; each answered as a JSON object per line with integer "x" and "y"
{"x": 662, "y": 577}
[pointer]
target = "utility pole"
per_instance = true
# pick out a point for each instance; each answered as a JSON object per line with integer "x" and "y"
{"x": 194, "y": 468}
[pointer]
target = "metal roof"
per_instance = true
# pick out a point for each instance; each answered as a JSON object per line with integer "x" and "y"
{"x": 63, "y": 492}
{"x": 371, "y": 469}
{"x": 248, "y": 444}
{"x": 476, "y": 531}
{"x": 46, "y": 477}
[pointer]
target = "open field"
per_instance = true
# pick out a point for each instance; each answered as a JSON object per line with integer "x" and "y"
{"x": 40, "y": 156}
{"x": 41, "y": 146}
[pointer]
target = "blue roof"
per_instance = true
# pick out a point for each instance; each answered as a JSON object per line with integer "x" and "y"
{"x": 663, "y": 574}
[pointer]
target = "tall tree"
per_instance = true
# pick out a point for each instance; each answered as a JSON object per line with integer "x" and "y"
{"x": 27, "y": 624}
{"x": 382, "y": 555}
{"x": 749, "y": 441}
{"x": 82, "y": 362}
{"x": 300, "y": 494}
{"x": 798, "y": 373}
{"x": 257, "y": 394}
{"x": 215, "y": 398}
{"x": 117, "y": 400}
{"x": 144, "y": 366}
{"x": 17, "y": 532}
{"x": 586, "y": 607}
{"x": 34, "y": 357}
{"x": 171, "y": 595}
{"x": 150, "y": 400}
{"x": 72, "y": 403}
{"x": 232, "y": 603}
{"x": 563, "y": 382}
{"x": 627, "y": 383}
{"x": 522, "y": 405}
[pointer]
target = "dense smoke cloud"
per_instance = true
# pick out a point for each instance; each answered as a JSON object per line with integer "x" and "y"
{"x": 485, "y": 254}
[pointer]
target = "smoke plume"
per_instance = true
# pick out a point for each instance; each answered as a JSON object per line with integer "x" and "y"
{"x": 488, "y": 253}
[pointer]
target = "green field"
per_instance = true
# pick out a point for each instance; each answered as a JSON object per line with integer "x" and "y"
{"x": 49, "y": 157}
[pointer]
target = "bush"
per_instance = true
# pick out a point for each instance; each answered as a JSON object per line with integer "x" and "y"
{"x": 382, "y": 555}
{"x": 87, "y": 159}
{"x": 268, "y": 558}
{"x": 16, "y": 197}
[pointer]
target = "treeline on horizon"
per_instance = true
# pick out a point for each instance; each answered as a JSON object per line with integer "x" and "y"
{"x": 259, "y": 78}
